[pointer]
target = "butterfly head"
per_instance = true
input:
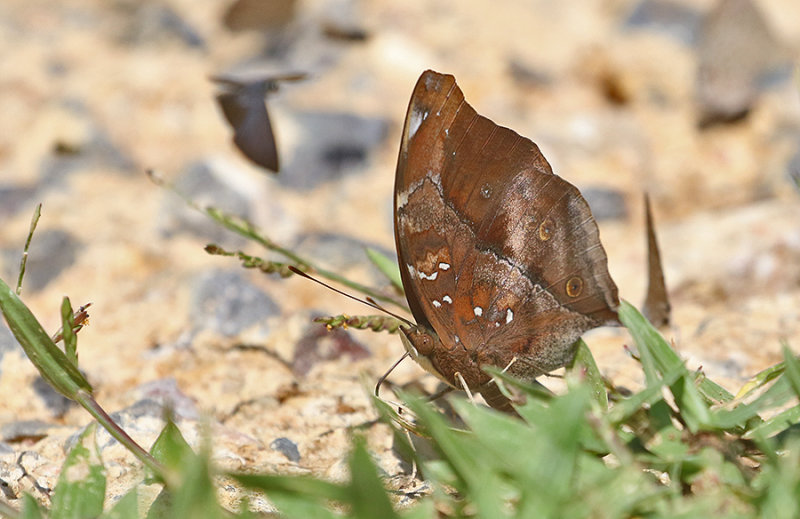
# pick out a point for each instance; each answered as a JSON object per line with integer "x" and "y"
{"x": 421, "y": 344}
{"x": 419, "y": 341}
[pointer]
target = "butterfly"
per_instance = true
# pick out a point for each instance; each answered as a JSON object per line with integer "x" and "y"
{"x": 501, "y": 260}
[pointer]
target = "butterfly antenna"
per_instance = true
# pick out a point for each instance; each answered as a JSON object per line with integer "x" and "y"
{"x": 374, "y": 304}
{"x": 386, "y": 375}
{"x": 371, "y": 303}
{"x": 368, "y": 301}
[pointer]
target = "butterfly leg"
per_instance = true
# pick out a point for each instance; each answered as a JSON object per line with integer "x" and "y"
{"x": 464, "y": 386}
{"x": 413, "y": 458}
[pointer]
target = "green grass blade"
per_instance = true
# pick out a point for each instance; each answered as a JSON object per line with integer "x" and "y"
{"x": 367, "y": 495}
{"x": 779, "y": 484}
{"x": 51, "y": 362}
{"x": 297, "y": 496}
{"x": 293, "y": 485}
{"x": 534, "y": 389}
{"x": 37, "y": 213}
{"x": 760, "y": 379}
{"x": 190, "y": 491}
{"x": 584, "y": 360}
{"x": 387, "y": 266}
{"x": 792, "y": 370}
{"x": 694, "y": 409}
{"x": 196, "y": 496}
{"x": 170, "y": 448}
{"x": 540, "y": 456}
{"x": 626, "y": 408}
{"x": 693, "y": 392}
{"x": 663, "y": 356}
{"x": 30, "y": 508}
{"x": 300, "y": 507}
{"x": 775, "y": 425}
{"x": 391, "y": 416}
{"x": 127, "y": 507}
{"x": 68, "y": 332}
{"x": 422, "y": 509}
{"x": 464, "y": 456}
{"x": 778, "y": 394}
{"x": 81, "y": 487}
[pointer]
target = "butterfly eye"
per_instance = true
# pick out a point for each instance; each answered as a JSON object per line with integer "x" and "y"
{"x": 422, "y": 342}
{"x": 574, "y": 286}
{"x": 425, "y": 344}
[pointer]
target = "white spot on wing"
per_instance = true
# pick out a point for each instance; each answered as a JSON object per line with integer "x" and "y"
{"x": 444, "y": 266}
{"x": 436, "y": 303}
{"x": 402, "y": 199}
{"x": 478, "y": 311}
{"x": 412, "y": 271}
{"x": 429, "y": 277}
{"x": 447, "y": 299}
{"x": 417, "y": 116}
{"x": 509, "y": 316}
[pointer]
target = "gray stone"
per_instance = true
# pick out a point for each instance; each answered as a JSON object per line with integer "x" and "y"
{"x": 96, "y": 151}
{"x": 7, "y": 340}
{"x": 51, "y": 252}
{"x": 25, "y": 429}
{"x": 337, "y": 251}
{"x": 737, "y": 51}
{"x": 203, "y": 186}
{"x": 57, "y": 403}
{"x": 166, "y": 392}
{"x": 286, "y": 447}
{"x": 225, "y": 302}
{"x": 15, "y": 198}
{"x": 144, "y": 407}
{"x": 332, "y": 145}
{"x": 147, "y": 23}
{"x": 606, "y": 203}
{"x": 527, "y": 74}
{"x": 674, "y": 19}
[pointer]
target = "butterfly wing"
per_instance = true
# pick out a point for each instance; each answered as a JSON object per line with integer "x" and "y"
{"x": 246, "y": 111}
{"x": 499, "y": 256}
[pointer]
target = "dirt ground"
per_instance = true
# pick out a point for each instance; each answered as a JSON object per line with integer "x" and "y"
{"x": 94, "y": 93}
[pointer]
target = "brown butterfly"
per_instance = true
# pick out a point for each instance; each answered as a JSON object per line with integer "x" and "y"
{"x": 501, "y": 259}
{"x": 243, "y": 105}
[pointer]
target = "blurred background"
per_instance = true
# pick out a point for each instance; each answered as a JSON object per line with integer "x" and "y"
{"x": 696, "y": 102}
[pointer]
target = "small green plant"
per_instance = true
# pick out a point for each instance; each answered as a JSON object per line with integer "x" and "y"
{"x": 682, "y": 446}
